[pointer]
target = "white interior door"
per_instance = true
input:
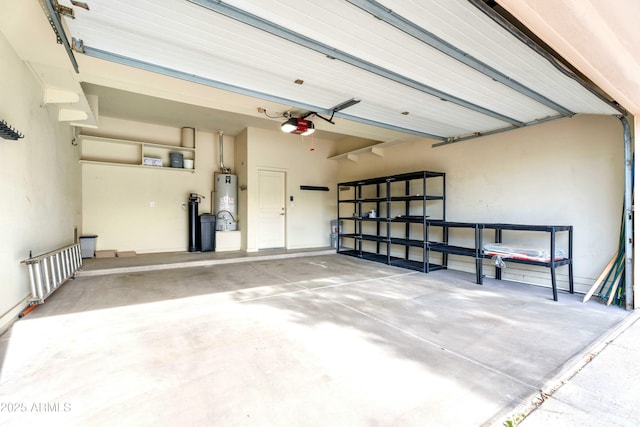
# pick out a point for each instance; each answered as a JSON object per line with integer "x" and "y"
{"x": 271, "y": 207}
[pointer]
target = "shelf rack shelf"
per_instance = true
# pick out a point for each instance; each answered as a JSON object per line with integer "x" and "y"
{"x": 409, "y": 225}
{"x": 396, "y": 234}
{"x": 552, "y": 264}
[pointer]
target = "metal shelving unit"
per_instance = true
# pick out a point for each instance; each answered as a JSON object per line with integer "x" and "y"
{"x": 398, "y": 233}
{"x": 552, "y": 264}
{"x": 410, "y": 227}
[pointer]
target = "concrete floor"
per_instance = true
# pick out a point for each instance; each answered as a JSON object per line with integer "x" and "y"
{"x": 315, "y": 340}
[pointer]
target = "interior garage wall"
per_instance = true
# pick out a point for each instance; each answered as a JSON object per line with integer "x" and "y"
{"x": 305, "y": 161}
{"x": 565, "y": 172}
{"x": 39, "y": 180}
{"x": 141, "y": 209}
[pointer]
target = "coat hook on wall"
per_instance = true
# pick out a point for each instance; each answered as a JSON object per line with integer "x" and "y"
{"x": 7, "y": 132}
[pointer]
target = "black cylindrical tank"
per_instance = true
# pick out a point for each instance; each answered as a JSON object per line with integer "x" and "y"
{"x": 194, "y": 199}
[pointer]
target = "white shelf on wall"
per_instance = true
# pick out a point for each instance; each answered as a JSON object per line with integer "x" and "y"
{"x": 376, "y": 149}
{"x": 108, "y": 151}
{"x": 126, "y": 165}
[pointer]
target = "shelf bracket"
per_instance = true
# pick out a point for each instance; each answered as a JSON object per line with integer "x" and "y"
{"x": 69, "y": 115}
{"x": 59, "y": 96}
{"x": 377, "y": 151}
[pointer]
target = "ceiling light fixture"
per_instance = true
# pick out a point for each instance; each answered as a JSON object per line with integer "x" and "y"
{"x": 298, "y": 126}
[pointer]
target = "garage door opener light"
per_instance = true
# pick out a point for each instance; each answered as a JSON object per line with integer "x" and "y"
{"x": 298, "y": 126}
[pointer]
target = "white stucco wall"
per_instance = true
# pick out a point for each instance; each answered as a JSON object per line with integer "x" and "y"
{"x": 39, "y": 180}
{"x": 566, "y": 172}
{"x": 308, "y": 220}
{"x": 140, "y": 209}
{"x": 607, "y": 54}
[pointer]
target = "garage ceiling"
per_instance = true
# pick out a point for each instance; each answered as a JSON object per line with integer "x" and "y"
{"x": 444, "y": 70}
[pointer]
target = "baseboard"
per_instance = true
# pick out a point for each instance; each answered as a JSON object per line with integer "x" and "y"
{"x": 7, "y": 319}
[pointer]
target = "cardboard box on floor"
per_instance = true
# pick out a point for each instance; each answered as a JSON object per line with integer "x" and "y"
{"x": 122, "y": 254}
{"x": 106, "y": 254}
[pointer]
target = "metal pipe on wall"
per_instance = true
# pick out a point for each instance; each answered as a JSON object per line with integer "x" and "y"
{"x": 628, "y": 214}
{"x": 221, "y": 149}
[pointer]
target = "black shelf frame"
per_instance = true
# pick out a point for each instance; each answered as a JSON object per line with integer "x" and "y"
{"x": 384, "y": 240}
{"x": 552, "y": 264}
{"x": 395, "y": 261}
{"x": 477, "y": 251}
{"x": 387, "y": 201}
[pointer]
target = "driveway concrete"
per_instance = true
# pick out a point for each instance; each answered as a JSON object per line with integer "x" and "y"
{"x": 602, "y": 390}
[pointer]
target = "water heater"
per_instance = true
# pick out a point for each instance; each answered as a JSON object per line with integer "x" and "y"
{"x": 225, "y": 201}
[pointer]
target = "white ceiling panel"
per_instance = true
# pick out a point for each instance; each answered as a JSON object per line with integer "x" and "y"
{"x": 342, "y": 51}
{"x": 376, "y": 42}
{"x": 465, "y": 26}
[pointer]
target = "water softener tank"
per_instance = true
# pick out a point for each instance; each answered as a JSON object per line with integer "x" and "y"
{"x": 194, "y": 199}
{"x": 226, "y": 201}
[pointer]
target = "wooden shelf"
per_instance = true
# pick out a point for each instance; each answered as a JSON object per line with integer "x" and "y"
{"x": 375, "y": 149}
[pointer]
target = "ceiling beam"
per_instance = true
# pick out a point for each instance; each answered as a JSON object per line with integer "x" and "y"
{"x": 390, "y": 127}
{"x": 461, "y": 138}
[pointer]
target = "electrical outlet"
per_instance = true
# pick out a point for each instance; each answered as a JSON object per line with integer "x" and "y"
{"x": 152, "y": 204}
